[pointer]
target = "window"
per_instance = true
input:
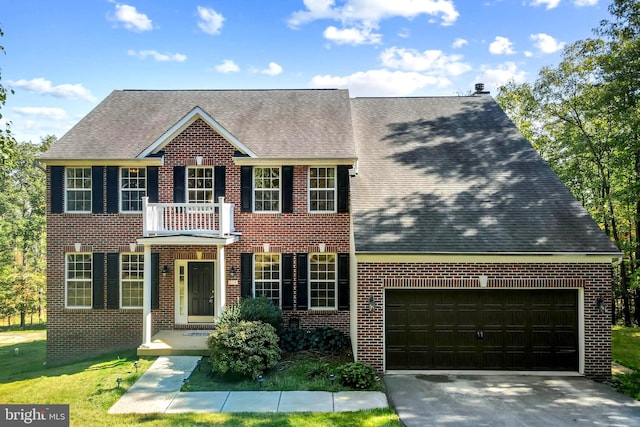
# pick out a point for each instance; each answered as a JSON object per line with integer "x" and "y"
{"x": 78, "y": 280}
{"x": 131, "y": 280}
{"x": 200, "y": 184}
{"x": 133, "y": 187}
{"x": 322, "y": 189}
{"x": 266, "y": 187}
{"x": 78, "y": 189}
{"x": 322, "y": 280}
{"x": 266, "y": 276}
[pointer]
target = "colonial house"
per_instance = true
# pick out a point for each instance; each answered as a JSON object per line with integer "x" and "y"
{"x": 427, "y": 229}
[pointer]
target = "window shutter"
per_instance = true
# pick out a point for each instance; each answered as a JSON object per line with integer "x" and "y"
{"x": 218, "y": 182}
{"x": 97, "y": 189}
{"x": 343, "y": 281}
{"x": 155, "y": 280}
{"x": 113, "y": 188}
{"x": 246, "y": 275}
{"x": 287, "y": 281}
{"x": 302, "y": 282}
{"x": 178, "y": 184}
{"x": 113, "y": 280}
{"x": 98, "y": 280}
{"x": 343, "y": 188}
{"x": 287, "y": 189}
{"x": 57, "y": 189}
{"x": 152, "y": 183}
{"x": 246, "y": 190}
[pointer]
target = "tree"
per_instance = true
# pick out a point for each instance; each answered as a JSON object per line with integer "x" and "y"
{"x": 7, "y": 142}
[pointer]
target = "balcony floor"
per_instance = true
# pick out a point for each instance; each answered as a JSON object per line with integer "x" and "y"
{"x": 177, "y": 343}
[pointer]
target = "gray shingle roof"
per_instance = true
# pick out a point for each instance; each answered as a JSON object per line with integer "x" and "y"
{"x": 272, "y": 123}
{"x": 453, "y": 174}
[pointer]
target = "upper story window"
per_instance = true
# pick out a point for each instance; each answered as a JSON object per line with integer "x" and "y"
{"x": 78, "y": 280}
{"x": 78, "y": 189}
{"x": 266, "y": 189}
{"x": 133, "y": 187}
{"x": 267, "y": 276}
{"x": 131, "y": 280}
{"x": 200, "y": 184}
{"x": 322, "y": 189}
{"x": 322, "y": 281}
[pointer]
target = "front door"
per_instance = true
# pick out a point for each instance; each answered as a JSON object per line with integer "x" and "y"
{"x": 200, "y": 292}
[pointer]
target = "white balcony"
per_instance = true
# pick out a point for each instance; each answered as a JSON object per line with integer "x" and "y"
{"x": 212, "y": 219}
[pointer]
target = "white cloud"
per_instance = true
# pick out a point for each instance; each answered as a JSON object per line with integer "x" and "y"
{"x": 550, "y": 3}
{"x": 545, "y": 43}
{"x": 581, "y": 3}
{"x": 44, "y": 87}
{"x": 160, "y": 57}
{"x": 227, "y": 66}
{"x": 45, "y": 112}
{"x": 131, "y": 18}
{"x": 379, "y": 82}
{"x": 273, "y": 70}
{"x": 458, "y": 43}
{"x": 427, "y": 61}
{"x": 404, "y": 33}
{"x": 501, "y": 46}
{"x": 354, "y": 36}
{"x": 371, "y": 12}
{"x": 210, "y": 20}
{"x": 501, "y": 74}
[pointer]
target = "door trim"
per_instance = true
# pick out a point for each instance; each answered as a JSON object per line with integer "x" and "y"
{"x": 181, "y": 292}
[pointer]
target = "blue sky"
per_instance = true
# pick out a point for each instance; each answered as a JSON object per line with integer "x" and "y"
{"x": 62, "y": 57}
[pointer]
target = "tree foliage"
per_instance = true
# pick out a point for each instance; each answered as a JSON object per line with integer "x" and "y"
{"x": 583, "y": 117}
{"x": 7, "y": 141}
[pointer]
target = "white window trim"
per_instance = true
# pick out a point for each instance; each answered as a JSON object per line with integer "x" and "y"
{"x": 121, "y": 281}
{"x": 66, "y": 210}
{"x": 213, "y": 184}
{"x": 254, "y": 189}
{"x": 335, "y": 282}
{"x": 253, "y": 276}
{"x": 120, "y": 189}
{"x": 66, "y": 281}
{"x": 335, "y": 190}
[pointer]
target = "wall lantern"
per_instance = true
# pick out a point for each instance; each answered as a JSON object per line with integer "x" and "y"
{"x": 165, "y": 270}
{"x": 600, "y": 305}
{"x": 372, "y": 303}
{"x": 232, "y": 272}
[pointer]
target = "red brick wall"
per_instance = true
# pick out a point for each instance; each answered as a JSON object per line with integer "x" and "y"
{"x": 594, "y": 278}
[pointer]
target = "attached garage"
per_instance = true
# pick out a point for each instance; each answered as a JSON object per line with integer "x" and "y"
{"x": 497, "y": 329}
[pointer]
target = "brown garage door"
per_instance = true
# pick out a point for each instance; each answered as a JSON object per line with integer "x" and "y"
{"x": 482, "y": 329}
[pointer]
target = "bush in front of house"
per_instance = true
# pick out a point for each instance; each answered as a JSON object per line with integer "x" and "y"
{"x": 263, "y": 310}
{"x": 357, "y": 375}
{"x": 328, "y": 340}
{"x": 244, "y": 348}
{"x": 294, "y": 339}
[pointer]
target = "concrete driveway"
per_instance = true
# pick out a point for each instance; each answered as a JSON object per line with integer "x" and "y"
{"x": 505, "y": 400}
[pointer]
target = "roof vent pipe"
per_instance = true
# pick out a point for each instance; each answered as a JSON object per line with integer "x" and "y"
{"x": 480, "y": 89}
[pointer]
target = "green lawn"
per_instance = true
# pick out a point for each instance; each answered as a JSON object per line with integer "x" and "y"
{"x": 625, "y": 349}
{"x": 89, "y": 387}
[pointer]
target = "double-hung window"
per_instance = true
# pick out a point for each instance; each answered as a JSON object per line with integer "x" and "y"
{"x": 266, "y": 188}
{"x": 322, "y": 189}
{"x": 78, "y": 190}
{"x": 267, "y": 276}
{"x": 322, "y": 281}
{"x": 133, "y": 187}
{"x": 131, "y": 280}
{"x": 78, "y": 280}
{"x": 200, "y": 184}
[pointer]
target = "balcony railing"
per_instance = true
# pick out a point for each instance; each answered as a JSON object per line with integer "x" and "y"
{"x": 187, "y": 218}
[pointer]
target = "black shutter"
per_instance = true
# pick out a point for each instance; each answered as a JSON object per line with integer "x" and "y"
{"x": 246, "y": 275}
{"x": 302, "y": 282}
{"x": 287, "y": 281}
{"x": 113, "y": 189}
{"x": 219, "y": 182}
{"x": 343, "y": 188}
{"x": 246, "y": 188}
{"x": 178, "y": 184}
{"x": 57, "y": 189}
{"x": 113, "y": 280}
{"x": 155, "y": 280}
{"x": 152, "y": 184}
{"x": 343, "y": 281}
{"x": 287, "y": 189}
{"x": 98, "y": 280}
{"x": 97, "y": 189}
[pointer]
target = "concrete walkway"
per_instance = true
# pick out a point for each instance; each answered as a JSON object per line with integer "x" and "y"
{"x": 158, "y": 391}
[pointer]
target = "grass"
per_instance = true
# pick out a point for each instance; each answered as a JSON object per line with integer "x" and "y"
{"x": 625, "y": 347}
{"x": 89, "y": 387}
{"x": 305, "y": 370}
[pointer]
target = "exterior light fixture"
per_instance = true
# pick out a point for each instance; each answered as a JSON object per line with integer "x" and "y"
{"x": 232, "y": 272}
{"x": 260, "y": 380}
{"x": 165, "y": 270}
{"x": 135, "y": 365}
{"x": 332, "y": 378}
{"x": 198, "y": 363}
{"x": 372, "y": 303}
{"x": 118, "y": 381}
{"x": 600, "y": 305}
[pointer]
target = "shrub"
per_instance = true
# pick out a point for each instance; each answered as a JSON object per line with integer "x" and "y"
{"x": 328, "y": 340}
{"x": 263, "y": 310}
{"x": 320, "y": 370}
{"x": 230, "y": 315}
{"x": 357, "y": 375}
{"x": 294, "y": 339}
{"x": 244, "y": 348}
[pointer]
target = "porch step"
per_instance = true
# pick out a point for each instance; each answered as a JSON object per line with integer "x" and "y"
{"x": 142, "y": 351}
{"x": 177, "y": 343}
